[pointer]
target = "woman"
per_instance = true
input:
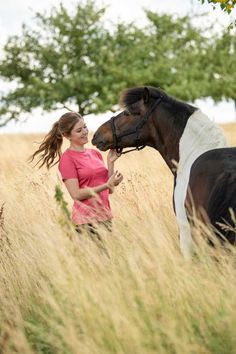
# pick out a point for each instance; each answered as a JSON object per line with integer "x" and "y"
{"x": 86, "y": 178}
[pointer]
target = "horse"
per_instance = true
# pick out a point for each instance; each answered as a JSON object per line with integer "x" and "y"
{"x": 193, "y": 147}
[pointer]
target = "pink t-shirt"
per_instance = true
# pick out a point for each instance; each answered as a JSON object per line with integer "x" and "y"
{"x": 88, "y": 167}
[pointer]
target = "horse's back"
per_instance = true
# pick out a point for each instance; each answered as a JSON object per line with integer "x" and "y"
{"x": 212, "y": 187}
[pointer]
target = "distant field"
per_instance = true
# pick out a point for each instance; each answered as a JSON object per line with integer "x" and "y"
{"x": 230, "y": 132}
{"x": 132, "y": 294}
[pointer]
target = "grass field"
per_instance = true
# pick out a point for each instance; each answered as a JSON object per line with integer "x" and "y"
{"x": 133, "y": 293}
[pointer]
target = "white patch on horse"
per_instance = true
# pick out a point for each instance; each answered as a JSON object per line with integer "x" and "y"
{"x": 200, "y": 135}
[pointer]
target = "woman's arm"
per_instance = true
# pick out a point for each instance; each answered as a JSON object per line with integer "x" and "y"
{"x": 78, "y": 193}
{"x": 111, "y": 158}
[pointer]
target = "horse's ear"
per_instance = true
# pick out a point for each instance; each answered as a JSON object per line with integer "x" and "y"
{"x": 146, "y": 95}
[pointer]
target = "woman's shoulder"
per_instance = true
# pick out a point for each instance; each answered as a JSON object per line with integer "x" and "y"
{"x": 67, "y": 165}
{"x": 65, "y": 156}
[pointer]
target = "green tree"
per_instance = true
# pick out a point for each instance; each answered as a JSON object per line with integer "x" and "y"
{"x": 58, "y": 62}
{"x": 225, "y": 5}
{"x": 177, "y": 48}
{"x": 127, "y": 50}
{"x": 221, "y": 61}
{"x": 190, "y": 64}
{"x": 76, "y": 59}
{"x": 71, "y": 59}
{"x": 166, "y": 53}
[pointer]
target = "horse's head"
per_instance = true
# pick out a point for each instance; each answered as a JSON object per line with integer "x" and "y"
{"x": 129, "y": 128}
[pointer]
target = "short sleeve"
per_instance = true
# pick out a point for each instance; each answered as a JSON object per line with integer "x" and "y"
{"x": 67, "y": 168}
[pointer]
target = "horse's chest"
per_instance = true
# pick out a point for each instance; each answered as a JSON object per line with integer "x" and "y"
{"x": 180, "y": 193}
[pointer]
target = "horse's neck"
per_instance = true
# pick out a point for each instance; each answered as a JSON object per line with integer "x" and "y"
{"x": 166, "y": 141}
{"x": 199, "y": 136}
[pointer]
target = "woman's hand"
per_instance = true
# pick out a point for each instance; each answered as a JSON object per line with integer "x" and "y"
{"x": 114, "y": 180}
{"x": 112, "y": 156}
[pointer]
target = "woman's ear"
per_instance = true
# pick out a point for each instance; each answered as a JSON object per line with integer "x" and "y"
{"x": 146, "y": 95}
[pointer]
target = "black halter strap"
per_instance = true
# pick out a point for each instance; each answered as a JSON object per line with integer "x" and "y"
{"x": 142, "y": 121}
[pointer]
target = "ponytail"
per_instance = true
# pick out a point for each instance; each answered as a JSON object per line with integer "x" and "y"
{"x": 50, "y": 148}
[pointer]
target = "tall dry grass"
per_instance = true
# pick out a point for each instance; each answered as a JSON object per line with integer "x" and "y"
{"x": 132, "y": 293}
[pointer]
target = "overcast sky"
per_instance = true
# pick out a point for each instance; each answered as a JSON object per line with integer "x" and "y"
{"x": 14, "y": 12}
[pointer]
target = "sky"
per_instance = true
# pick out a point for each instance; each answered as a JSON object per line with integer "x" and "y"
{"x": 15, "y": 12}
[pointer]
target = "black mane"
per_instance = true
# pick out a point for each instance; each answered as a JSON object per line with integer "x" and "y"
{"x": 135, "y": 94}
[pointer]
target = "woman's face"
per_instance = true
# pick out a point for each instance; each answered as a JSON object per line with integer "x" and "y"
{"x": 79, "y": 133}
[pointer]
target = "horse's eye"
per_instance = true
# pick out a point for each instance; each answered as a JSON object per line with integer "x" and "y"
{"x": 132, "y": 113}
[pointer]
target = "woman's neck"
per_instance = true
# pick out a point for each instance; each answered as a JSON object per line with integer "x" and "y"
{"x": 77, "y": 147}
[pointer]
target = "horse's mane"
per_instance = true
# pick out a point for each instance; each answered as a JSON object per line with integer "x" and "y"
{"x": 134, "y": 94}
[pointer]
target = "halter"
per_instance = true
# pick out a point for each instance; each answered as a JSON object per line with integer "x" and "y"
{"x": 144, "y": 119}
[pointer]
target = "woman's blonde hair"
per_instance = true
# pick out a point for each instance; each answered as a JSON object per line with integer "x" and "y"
{"x": 50, "y": 148}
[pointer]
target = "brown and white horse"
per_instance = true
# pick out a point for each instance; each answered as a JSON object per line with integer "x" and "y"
{"x": 205, "y": 177}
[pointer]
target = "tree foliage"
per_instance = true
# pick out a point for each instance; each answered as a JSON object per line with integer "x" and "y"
{"x": 56, "y": 63}
{"x": 74, "y": 58}
{"x": 225, "y": 5}
{"x": 176, "y": 48}
{"x": 220, "y": 61}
